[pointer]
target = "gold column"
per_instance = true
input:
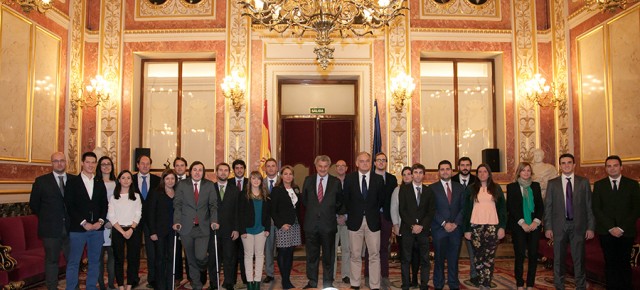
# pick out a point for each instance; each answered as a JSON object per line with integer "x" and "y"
{"x": 561, "y": 75}
{"x": 526, "y": 59}
{"x": 237, "y": 59}
{"x": 76, "y": 56}
{"x": 398, "y": 60}
{"x": 110, "y": 66}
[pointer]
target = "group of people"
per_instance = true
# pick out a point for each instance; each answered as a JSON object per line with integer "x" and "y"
{"x": 245, "y": 221}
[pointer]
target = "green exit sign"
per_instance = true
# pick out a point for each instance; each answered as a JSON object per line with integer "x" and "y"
{"x": 316, "y": 110}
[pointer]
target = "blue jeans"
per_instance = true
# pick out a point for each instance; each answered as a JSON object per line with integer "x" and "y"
{"x": 94, "y": 241}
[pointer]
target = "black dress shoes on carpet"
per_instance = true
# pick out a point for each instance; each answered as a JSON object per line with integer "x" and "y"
{"x": 267, "y": 279}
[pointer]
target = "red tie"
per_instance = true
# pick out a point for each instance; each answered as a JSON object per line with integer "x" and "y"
{"x": 320, "y": 190}
{"x": 239, "y": 184}
{"x": 448, "y": 192}
{"x": 196, "y": 194}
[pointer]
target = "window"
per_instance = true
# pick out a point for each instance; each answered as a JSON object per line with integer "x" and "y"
{"x": 178, "y": 110}
{"x": 457, "y": 106}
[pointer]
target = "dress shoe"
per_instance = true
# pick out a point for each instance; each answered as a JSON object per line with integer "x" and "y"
{"x": 267, "y": 279}
{"x": 308, "y": 286}
{"x": 355, "y": 287}
{"x": 346, "y": 280}
{"x": 415, "y": 284}
{"x": 475, "y": 281}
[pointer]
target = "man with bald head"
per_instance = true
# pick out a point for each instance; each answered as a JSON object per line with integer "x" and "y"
{"x": 47, "y": 202}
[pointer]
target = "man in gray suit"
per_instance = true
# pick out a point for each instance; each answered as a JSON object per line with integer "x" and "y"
{"x": 195, "y": 213}
{"x": 568, "y": 219}
{"x": 270, "y": 181}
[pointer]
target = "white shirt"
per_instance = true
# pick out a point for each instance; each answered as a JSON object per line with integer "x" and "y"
{"x": 366, "y": 177}
{"x": 293, "y": 196}
{"x": 324, "y": 182}
{"x": 464, "y": 180}
{"x": 182, "y": 177}
{"x": 88, "y": 183}
{"x": 611, "y": 179}
{"x": 57, "y": 177}
{"x": 415, "y": 190}
{"x": 124, "y": 211}
{"x": 140, "y": 175}
{"x": 445, "y": 184}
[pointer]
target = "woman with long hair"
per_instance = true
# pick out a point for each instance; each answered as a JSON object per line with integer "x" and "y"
{"x": 253, "y": 221}
{"x": 485, "y": 220}
{"x": 159, "y": 217}
{"x": 125, "y": 211}
{"x": 284, "y": 201}
{"x": 106, "y": 173}
{"x": 525, "y": 207}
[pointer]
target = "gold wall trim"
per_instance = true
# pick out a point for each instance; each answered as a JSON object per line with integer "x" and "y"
{"x": 526, "y": 62}
{"x": 76, "y": 75}
{"x": 559, "y": 31}
{"x": 14, "y": 191}
{"x": 460, "y": 30}
{"x": 457, "y": 9}
{"x": 16, "y": 181}
{"x": 169, "y": 31}
{"x": 175, "y": 9}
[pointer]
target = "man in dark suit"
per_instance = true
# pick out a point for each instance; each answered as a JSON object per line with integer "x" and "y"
{"x": 416, "y": 207}
{"x": 322, "y": 198}
{"x": 146, "y": 183}
{"x": 271, "y": 169}
{"x": 180, "y": 167}
{"x": 465, "y": 178}
{"x": 47, "y": 202}
{"x": 390, "y": 183}
{"x": 86, "y": 202}
{"x": 568, "y": 219}
{"x": 616, "y": 206}
{"x": 239, "y": 168}
{"x": 363, "y": 197}
{"x": 445, "y": 228}
{"x": 227, "y": 195}
{"x": 194, "y": 214}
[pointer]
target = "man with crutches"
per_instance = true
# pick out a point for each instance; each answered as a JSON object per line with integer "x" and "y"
{"x": 223, "y": 240}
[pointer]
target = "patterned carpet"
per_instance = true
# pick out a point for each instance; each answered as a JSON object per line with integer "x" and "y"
{"x": 503, "y": 277}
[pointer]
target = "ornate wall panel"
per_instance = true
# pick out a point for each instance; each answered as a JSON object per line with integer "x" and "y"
{"x": 175, "y": 9}
{"x": 481, "y": 9}
{"x": 525, "y": 53}
{"x": 559, "y": 32}
{"x": 76, "y": 53}
{"x": 110, "y": 66}
{"x": 237, "y": 50}
{"x": 398, "y": 60}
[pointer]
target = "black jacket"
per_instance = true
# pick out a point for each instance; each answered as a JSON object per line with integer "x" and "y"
{"x": 282, "y": 209}
{"x": 247, "y": 214}
{"x": 159, "y": 213}
{"x": 357, "y": 207}
{"x": 47, "y": 202}
{"x": 80, "y": 207}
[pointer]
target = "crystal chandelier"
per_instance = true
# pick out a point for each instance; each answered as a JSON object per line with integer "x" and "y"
{"x": 324, "y": 17}
{"x": 539, "y": 92}
{"x": 605, "y": 5}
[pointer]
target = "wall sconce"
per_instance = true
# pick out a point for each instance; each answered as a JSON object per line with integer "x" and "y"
{"x": 605, "y": 5}
{"x": 96, "y": 92}
{"x": 41, "y": 5}
{"x": 402, "y": 87}
{"x": 539, "y": 92}
{"x": 233, "y": 88}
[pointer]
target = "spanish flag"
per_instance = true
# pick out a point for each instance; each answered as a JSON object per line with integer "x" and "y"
{"x": 265, "y": 145}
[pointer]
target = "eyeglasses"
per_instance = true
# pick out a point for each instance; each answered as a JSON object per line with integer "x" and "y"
{"x": 381, "y": 160}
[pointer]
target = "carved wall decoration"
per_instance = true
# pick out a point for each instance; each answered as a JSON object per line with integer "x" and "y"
{"x": 525, "y": 51}
{"x": 559, "y": 31}
{"x": 398, "y": 60}
{"x": 237, "y": 52}
{"x": 76, "y": 54}
{"x": 177, "y": 9}
{"x": 460, "y": 8}
{"x": 110, "y": 66}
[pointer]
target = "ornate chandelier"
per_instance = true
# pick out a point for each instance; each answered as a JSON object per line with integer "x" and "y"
{"x": 324, "y": 17}
{"x": 605, "y": 5}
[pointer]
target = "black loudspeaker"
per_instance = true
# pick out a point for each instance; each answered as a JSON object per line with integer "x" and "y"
{"x": 491, "y": 157}
{"x": 141, "y": 152}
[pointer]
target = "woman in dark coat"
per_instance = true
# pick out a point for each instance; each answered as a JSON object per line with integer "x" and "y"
{"x": 284, "y": 200}
{"x": 525, "y": 207}
{"x": 160, "y": 219}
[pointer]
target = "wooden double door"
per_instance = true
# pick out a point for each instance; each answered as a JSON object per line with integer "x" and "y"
{"x": 305, "y": 138}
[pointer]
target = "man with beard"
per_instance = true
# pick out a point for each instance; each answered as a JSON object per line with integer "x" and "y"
{"x": 465, "y": 178}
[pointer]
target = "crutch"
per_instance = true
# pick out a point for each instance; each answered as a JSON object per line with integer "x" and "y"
{"x": 173, "y": 265}
{"x": 215, "y": 244}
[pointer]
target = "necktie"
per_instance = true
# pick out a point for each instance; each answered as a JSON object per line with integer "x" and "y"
{"x": 320, "y": 190}
{"x": 569, "y": 201}
{"x": 61, "y": 184}
{"x": 615, "y": 185}
{"x": 464, "y": 183}
{"x": 196, "y": 195}
{"x": 222, "y": 192}
{"x": 448, "y": 192}
{"x": 144, "y": 190}
{"x": 270, "y": 185}
{"x": 365, "y": 191}
{"x": 418, "y": 192}
{"x": 239, "y": 184}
